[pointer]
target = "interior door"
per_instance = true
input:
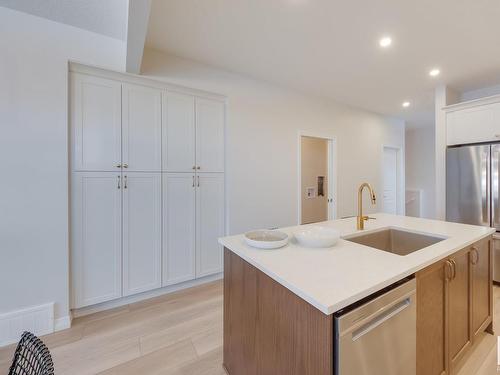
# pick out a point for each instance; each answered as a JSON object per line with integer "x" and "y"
{"x": 179, "y": 210}
{"x": 467, "y": 185}
{"x": 96, "y": 237}
{"x": 96, "y": 123}
{"x": 141, "y": 232}
{"x": 209, "y": 223}
{"x": 209, "y": 135}
{"x": 459, "y": 313}
{"x": 178, "y": 132}
{"x": 141, "y": 127}
{"x": 390, "y": 180}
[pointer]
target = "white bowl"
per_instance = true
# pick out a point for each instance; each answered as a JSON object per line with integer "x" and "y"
{"x": 266, "y": 239}
{"x": 317, "y": 236}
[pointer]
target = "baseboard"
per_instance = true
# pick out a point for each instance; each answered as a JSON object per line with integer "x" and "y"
{"x": 143, "y": 296}
{"x": 37, "y": 319}
{"x": 62, "y": 323}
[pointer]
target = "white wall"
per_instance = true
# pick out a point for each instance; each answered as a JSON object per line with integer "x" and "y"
{"x": 480, "y": 93}
{"x": 34, "y": 153}
{"x": 420, "y": 164}
{"x": 261, "y": 141}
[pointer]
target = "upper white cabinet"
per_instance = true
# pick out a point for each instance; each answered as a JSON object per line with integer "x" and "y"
{"x": 141, "y": 128}
{"x": 209, "y": 135}
{"x": 178, "y": 132}
{"x": 209, "y": 223}
{"x": 96, "y": 123}
{"x": 96, "y": 237}
{"x": 473, "y": 123}
{"x": 193, "y": 133}
{"x": 179, "y": 220}
{"x": 141, "y": 232}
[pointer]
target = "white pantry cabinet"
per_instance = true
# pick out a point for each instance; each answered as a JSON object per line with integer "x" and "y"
{"x": 96, "y": 237}
{"x": 209, "y": 135}
{"x": 141, "y": 128}
{"x": 147, "y": 184}
{"x": 179, "y": 220}
{"x": 473, "y": 123}
{"x": 209, "y": 223}
{"x": 96, "y": 123}
{"x": 178, "y": 132}
{"x": 193, "y": 133}
{"x": 115, "y": 125}
{"x": 141, "y": 232}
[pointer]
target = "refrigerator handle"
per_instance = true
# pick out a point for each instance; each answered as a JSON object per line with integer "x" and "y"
{"x": 485, "y": 187}
{"x": 495, "y": 155}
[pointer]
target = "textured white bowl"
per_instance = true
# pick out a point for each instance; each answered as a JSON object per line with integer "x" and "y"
{"x": 266, "y": 239}
{"x": 317, "y": 236}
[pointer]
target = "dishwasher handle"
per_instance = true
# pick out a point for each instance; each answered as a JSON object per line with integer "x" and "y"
{"x": 379, "y": 319}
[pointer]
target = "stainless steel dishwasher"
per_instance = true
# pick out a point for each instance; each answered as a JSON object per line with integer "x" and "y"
{"x": 378, "y": 337}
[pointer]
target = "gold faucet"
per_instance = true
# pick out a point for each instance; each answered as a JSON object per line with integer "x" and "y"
{"x": 361, "y": 218}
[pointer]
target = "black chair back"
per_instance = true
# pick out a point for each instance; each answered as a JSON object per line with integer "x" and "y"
{"x": 31, "y": 357}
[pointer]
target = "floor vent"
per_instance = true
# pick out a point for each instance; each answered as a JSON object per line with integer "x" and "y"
{"x": 37, "y": 319}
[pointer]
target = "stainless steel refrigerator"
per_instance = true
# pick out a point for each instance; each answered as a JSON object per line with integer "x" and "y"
{"x": 472, "y": 190}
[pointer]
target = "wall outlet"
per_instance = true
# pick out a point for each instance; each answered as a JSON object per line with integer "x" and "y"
{"x": 310, "y": 192}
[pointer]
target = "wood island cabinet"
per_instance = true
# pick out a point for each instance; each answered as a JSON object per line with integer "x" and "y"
{"x": 454, "y": 305}
{"x": 482, "y": 293}
{"x": 268, "y": 330}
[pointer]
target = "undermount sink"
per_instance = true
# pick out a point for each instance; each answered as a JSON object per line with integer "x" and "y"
{"x": 396, "y": 241}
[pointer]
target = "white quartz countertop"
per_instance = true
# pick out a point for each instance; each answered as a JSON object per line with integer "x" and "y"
{"x": 333, "y": 278}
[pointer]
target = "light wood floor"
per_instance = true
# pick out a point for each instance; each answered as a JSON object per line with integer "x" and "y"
{"x": 178, "y": 334}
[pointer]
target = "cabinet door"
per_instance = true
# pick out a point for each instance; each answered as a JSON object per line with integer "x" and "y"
{"x": 178, "y": 227}
{"x": 473, "y": 125}
{"x": 141, "y": 232}
{"x": 459, "y": 312}
{"x": 96, "y": 237}
{"x": 209, "y": 223}
{"x": 178, "y": 132}
{"x": 96, "y": 123}
{"x": 431, "y": 320}
{"x": 209, "y": 135}
{"x": 141, "y": 114}
{"x": 482, "y": 304}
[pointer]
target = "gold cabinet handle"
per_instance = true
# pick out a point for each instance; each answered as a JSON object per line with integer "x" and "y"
{"x": 198, "y": 181}
{"x": 448, "y": 270}
{"x": 193, "y": 180}
{"x": 194, "y": 167}
{"x": 118, "y": 165}
{"x": 125, "y": 165}
{"x": 454, "y": 269}
{"x": 119, "y": 186}
{"x": 198, "y": 167}
{"x": 474, "y": 255}
{"x": 125, "y": 182}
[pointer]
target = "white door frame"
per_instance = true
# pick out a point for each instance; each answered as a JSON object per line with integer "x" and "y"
{"x": 400, "y": 188}
{"x": 332, "y": 172}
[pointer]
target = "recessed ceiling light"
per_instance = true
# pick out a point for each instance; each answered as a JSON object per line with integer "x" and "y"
{"x": 385, "y": 42}
{"x": 434, "y": 72}
{"x": 406, "y": 104}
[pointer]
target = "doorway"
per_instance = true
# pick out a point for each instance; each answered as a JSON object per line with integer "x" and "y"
{"x": 316, "y": 178}
{"x": 392, "y": 177}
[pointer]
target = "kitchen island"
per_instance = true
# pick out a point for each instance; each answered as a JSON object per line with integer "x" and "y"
{"x": 279, "y": 304}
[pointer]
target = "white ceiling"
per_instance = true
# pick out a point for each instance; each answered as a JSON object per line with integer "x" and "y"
{"x": 330, "y": 47}
{"x": 106, "y": 17}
